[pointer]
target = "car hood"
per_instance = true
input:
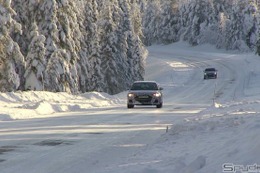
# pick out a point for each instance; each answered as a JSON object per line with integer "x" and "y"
{"x": 210, "y": 71}
{"x": 142, "y": 92}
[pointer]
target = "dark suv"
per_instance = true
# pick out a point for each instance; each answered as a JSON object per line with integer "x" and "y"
{"x": 210, "y": 73}
{"x": 145, "y": 93}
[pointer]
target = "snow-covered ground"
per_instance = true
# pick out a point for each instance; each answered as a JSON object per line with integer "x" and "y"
{"x": 205, "y": 126}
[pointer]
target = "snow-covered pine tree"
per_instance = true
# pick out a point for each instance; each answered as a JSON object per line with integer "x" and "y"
{"x": 71, "y": 31}
{"x": 120, "y": 15}
{"x": 183, "y": 18}
{"x": 222, "y": 21}
{"x": 126, "y": 28}
{"x": 35, "y": 61}
{"x": 70, "y": 38}
{"x": 22, "y": 18}
{"x": 136, "y": 51}
{"x": 68, "y": 27}
{"x": 11, "y": 59}
{"x": 137, "y": 55}
{"x": 209, "y": 26}
{"x": 169, "y": 26}
{"x": 257, "y": 46}
{"x": 250, "y": 17}
{"x": 59, "y": 73}
{"x": 234, "y": 29}
{"x": 151, "y": 21}
{"x": 90, "y": 22}
{"x": 108, "y": 46}
{"x": 91, "y": 76}
{"x": 61, "y": 22}
{"x": 57, "y": 21}
{"x": 27, "y": 13}
{"x": 136, "y": 18}
{"x": 198, "y": 11}
{"x": 47, "y": 20}
{"x": 217, "y": 25}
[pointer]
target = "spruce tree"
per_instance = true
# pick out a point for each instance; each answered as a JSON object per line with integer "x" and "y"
{"x": 11, "y": 60}
{"x": 59, "y": 73}
{"x": 90, "y": 64}
{"x": 47, "y": 23}
{"x": 151, "y": 22}
{"x": 35, "y": 62}
{"x": 169, "y": 26}
{"x": 108, "y": 54}
{"x": 250, "y": 24}
{"x": 257, "y": 46}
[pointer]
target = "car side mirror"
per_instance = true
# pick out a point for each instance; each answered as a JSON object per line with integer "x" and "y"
{"x": 160, "y": 88}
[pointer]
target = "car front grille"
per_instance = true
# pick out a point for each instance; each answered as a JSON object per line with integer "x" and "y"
{"x": 211, "y": 75}
{"x": 143, "y": 98}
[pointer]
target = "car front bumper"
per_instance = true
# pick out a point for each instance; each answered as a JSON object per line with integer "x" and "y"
{"x": 210, "y": 76}
{"x": 144, "y": 101}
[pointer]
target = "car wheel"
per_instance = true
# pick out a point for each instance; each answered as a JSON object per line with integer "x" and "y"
{"x": 130, "y": 106}
{"x": 159, "y": 106}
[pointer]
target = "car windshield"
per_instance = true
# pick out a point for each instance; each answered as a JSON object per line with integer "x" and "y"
{"x": 144, "y": 86}
{"x": 210, "y": 69}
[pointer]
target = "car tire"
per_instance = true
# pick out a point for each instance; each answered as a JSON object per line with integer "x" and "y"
{"x": 130, "y": 106}
{"x": 159, "y": 105}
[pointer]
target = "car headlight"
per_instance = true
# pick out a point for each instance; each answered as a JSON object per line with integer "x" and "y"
{"x": 157, "y": 94}
{"x": 130, "y": 95}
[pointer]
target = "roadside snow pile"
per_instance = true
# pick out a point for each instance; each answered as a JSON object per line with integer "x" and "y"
{"x": 205, "y": 142}
{"x": 228, "y": 139}
{"x": 200, "y": 126}
{"x": 241, "y": 108}
{"x": 212, "y": 139}
{"x": 39, "y": 104}
{"x": 203, "y": 145}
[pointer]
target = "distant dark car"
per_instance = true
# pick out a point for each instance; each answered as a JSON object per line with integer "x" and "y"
{"x": 210, "y": 73}
{"x": 145, "y": 93}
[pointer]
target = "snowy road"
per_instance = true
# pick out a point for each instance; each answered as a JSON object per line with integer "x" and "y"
{"x": 101, "y": 140}
{"x": 93, "y": 141}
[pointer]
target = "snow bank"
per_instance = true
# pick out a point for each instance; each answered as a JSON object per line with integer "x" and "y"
{"x": 216, "y": 136}
{"x": 39, "y": 104}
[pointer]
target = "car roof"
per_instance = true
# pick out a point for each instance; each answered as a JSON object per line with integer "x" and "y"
{"x": 210, "y": 69}
{"x": 145, "y": 85}
{"x": 145, "y": 82}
